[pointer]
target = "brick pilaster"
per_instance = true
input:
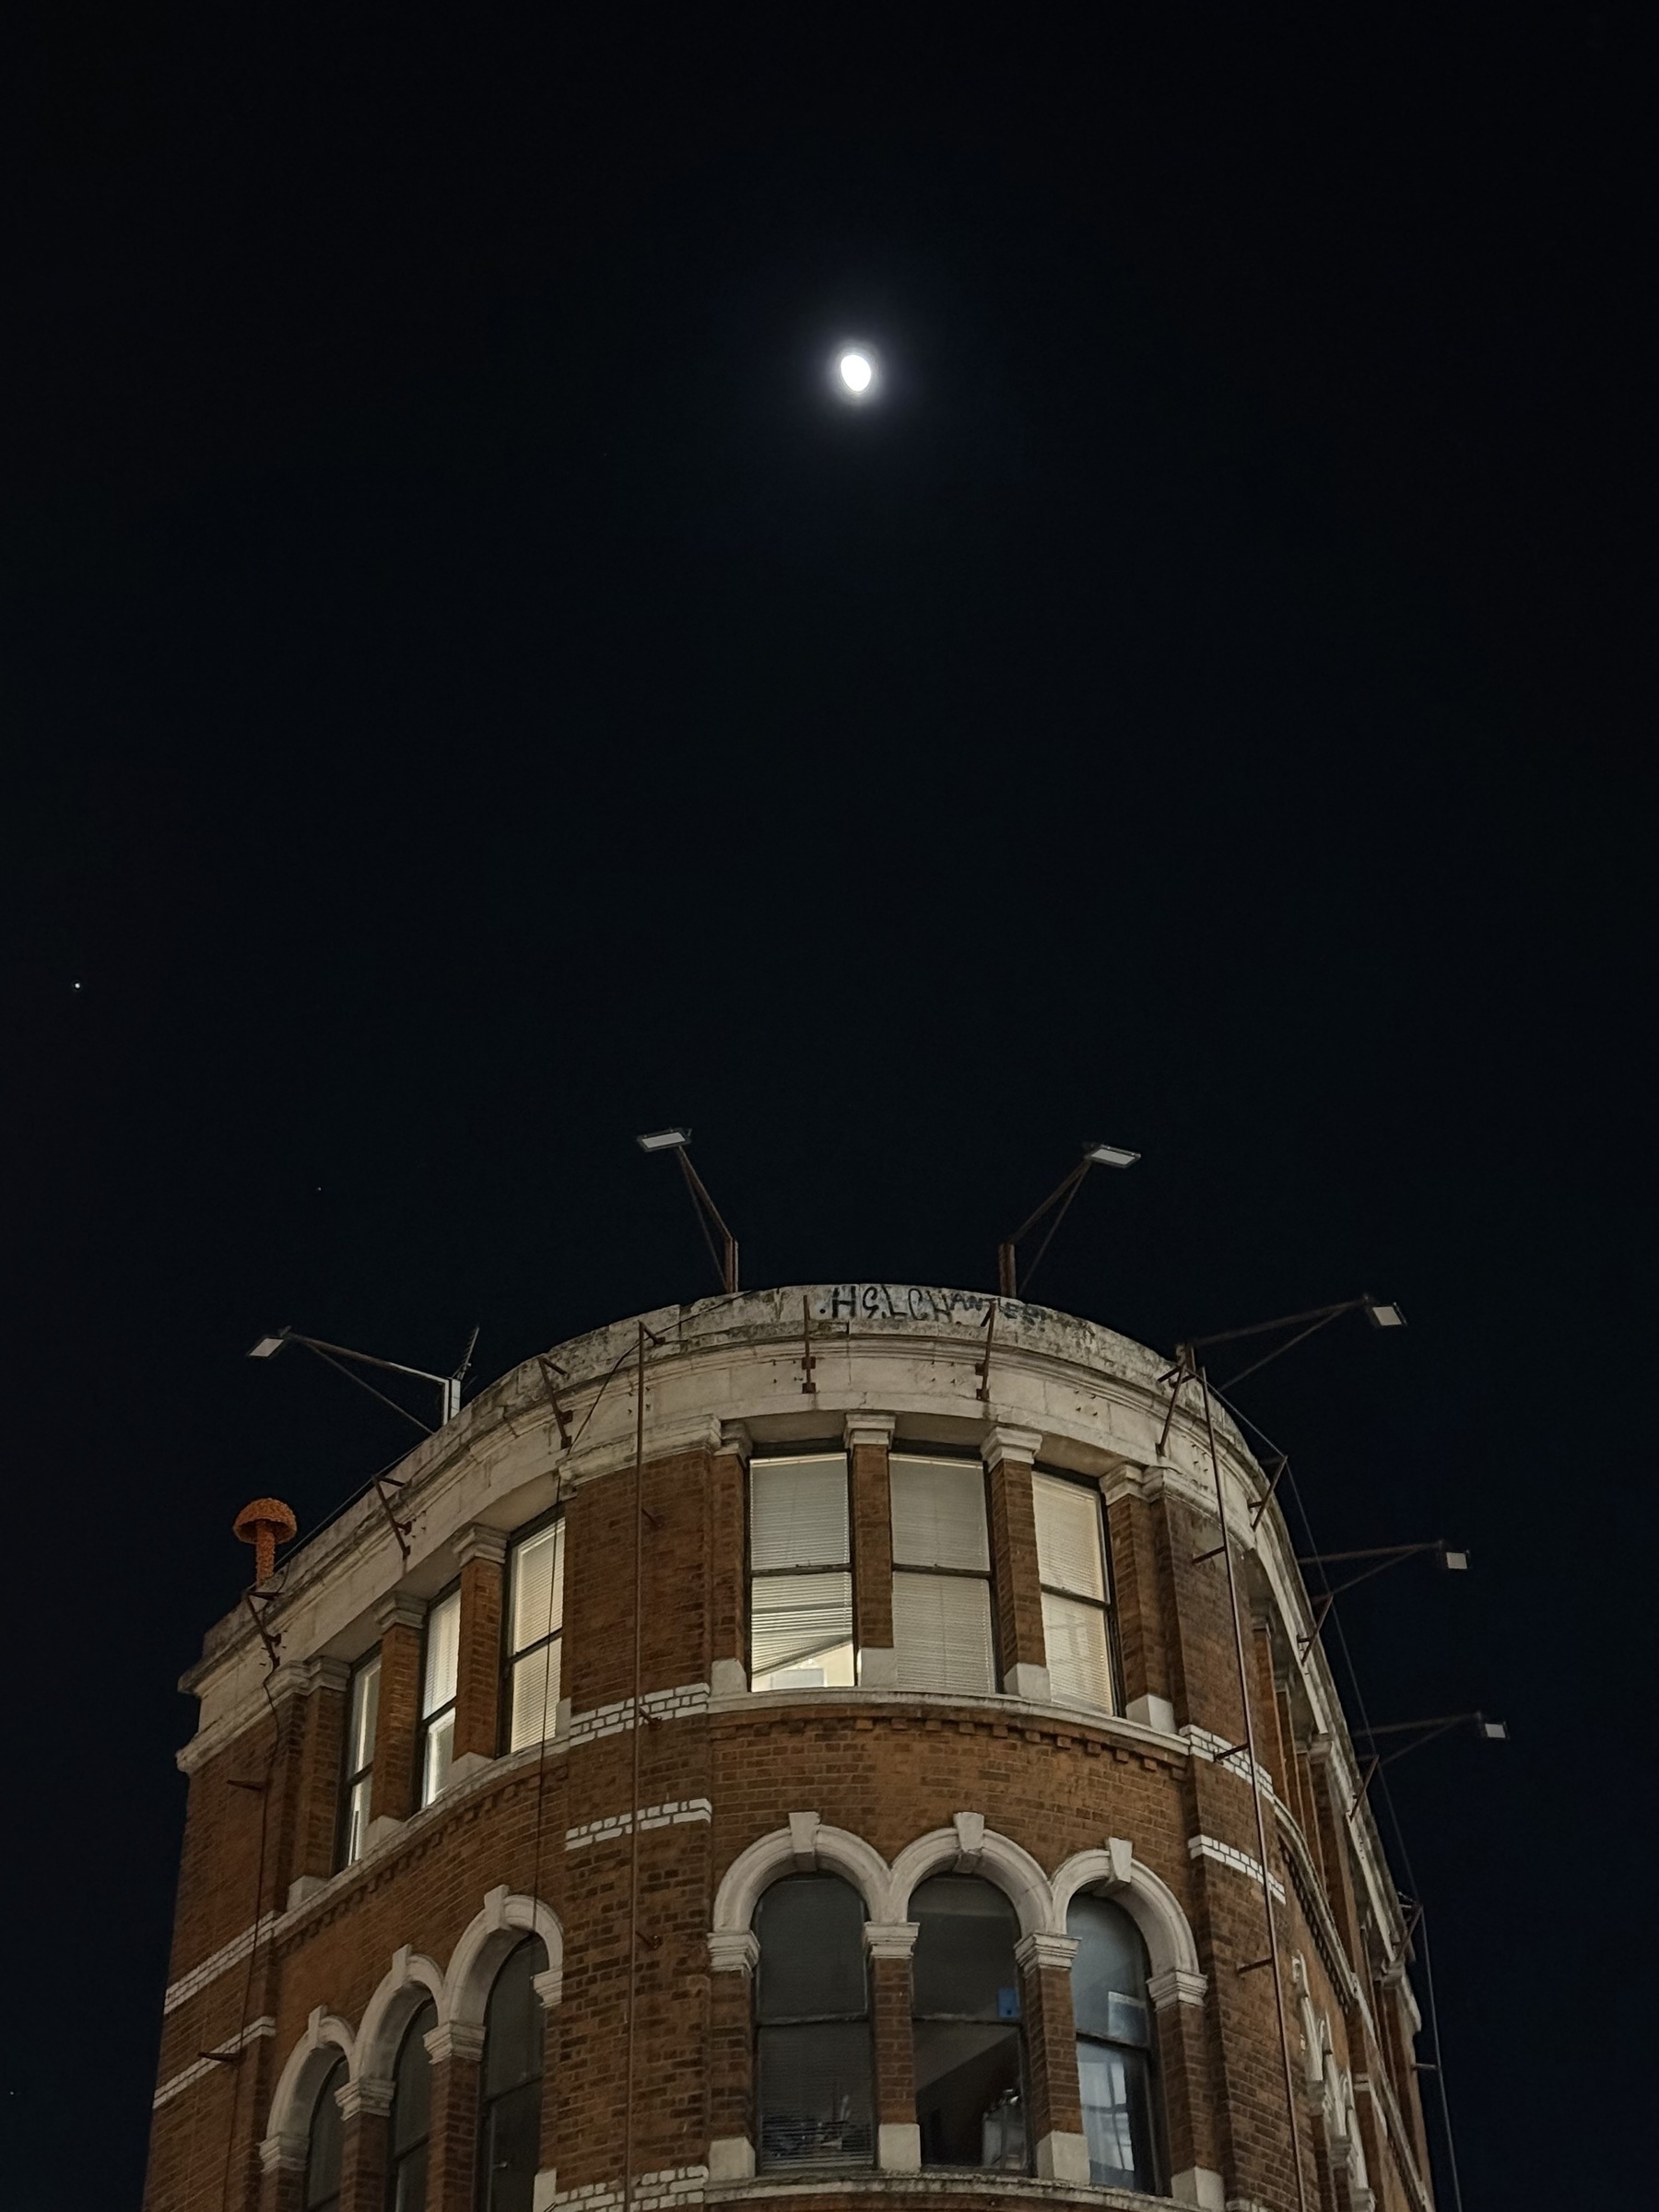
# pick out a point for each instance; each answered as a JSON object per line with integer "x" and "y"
{"x": 364, "y": 2145}
{"x": 726, "y": 1589}
{"x": 1023, "y": 1656}
{"x": 479, "y": 1670}
{"x": 1137, "y": 1602}
{"x": 1184, "y": 2083}
{"x": 731, "y": 2066}
{"x": 1333, "y": 1849}
{"x": 898, "y": 2136}
{"x": 1060, "y": 2150}
{"x": 869, "y": 1442}
{"x": 317, "y": 1813}
{"x": 398, "y": 1719}
{"x": 282, "y": 2186}
{"x": 452, "y": 2154}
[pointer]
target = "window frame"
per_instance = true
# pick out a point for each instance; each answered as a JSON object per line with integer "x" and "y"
{"x": 1018, "y": 2025}
{"x": 1147, "y": 2053}
{"x": 427, "y": 1721}
{"x": 351, "y": 1776}
{"x": 489, "y": 2102}
{"x": 398, "y": 2154}
{"x": 510, "y": 1658}
{"x": 943, "y": 1456}
{"x": 1106, "y": 1606}
{"x": 333, "y": 2080}
{"x": 833, "y": 1448}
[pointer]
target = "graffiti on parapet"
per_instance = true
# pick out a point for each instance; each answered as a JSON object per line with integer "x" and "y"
{"x": 897, "y": 1301}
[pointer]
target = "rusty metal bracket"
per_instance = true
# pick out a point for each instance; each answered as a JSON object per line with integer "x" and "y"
{"x": 808, "y": 1357}
{"x": 1280, "y": 1461}
{"x": 982, "y": 1370}
{"x": 549, "y": 1367}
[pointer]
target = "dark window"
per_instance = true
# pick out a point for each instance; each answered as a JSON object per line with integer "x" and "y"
{"x": 411, "y": 2116}
{"x": 800, "y": 1574}
{"x": 970, "y": 2064}
{"x": 438, "y": 1678}
{"x": 361, "y": 1718}
{"x": 534, "y": 1638}
{"x": 323, "y": 2149}
{"x": 510, "y": 2124}
{"x": 1114, "y": 2045}
{"x": 812, "y": 2061}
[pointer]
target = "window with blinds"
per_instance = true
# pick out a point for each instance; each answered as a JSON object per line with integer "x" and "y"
{"x": 438, "y": 1694}
{"x": 800, "y": 1574}
{"x": 360, "y": 1758}
{"x": 1071, "y": 1566}
{"x": 534, "y": 1635}
{"x": 941, "y": 1575}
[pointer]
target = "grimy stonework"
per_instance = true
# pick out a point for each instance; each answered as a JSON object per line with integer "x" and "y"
{"x": 795, "y": 1745}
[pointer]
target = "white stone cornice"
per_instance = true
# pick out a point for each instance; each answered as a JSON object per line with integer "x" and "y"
{"x": 481, "y": 1542}
{"x": 870, "y": 1428}
{"x": 891, "y": 1939}
{"x": 1043, "y": 1949}
{"x": 1017, "y": 1446}
{"x": 400, "y": 1609}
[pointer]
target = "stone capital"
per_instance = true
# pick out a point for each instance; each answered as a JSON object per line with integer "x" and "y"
{"x": 400, "y": 1609}
{"x": 870, "y": 1428}
{"x": 549, "y": 1986}
{"x": 734, "y": 1950}
{"x": 735, "y": 1438}
{"x": 454, "y": 2039}
{"x": 1019, "y": 1447}
{"x": 891, "y": 1939}
{"x": 367, "y": 2094}
{"x": 282, "y": 2154}
{"x": 1176, "y": 1987}
{"x": 1041, "y": 1949}
{"x": 481, "y": 1542}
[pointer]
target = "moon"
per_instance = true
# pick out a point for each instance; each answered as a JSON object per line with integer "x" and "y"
{"x": 856, "y": 372}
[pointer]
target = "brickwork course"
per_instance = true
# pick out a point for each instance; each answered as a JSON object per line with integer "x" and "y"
{"x": 637, "y": 1838}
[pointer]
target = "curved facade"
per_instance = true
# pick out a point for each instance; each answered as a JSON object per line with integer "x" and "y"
{"x": 788, "y": 1748}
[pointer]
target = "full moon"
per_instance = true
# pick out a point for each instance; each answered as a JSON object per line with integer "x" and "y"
{"x": 856, "y": 372}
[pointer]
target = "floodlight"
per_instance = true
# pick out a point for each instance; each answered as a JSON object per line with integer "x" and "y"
{"x": 1455, "y": 1563}
{"x": 663, "y": 1140}
{"x": 267, "y": 1348}
{"x": 1109, "y": 1156}
{"x": 1383, "y": 1316}
{"x": 1495, "y": 1731}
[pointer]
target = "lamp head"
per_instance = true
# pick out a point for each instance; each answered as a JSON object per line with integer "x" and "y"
{"x": 665, "y": 1140}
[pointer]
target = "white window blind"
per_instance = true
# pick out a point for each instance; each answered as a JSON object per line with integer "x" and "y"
{"x": 800, "y": 1586}
{"x": 438, "y": 1694}
{"x": 1071, "y": 1566}
{"x": 360, "y": 1758}
{"x": 938, "y": 1514}
{"x": 1069, "y": 1537}
{"x": 798, "y": 1513}
{"x": 537, "y": 1609}
{"x": 942, "y": 1633}
{"x": 534, "y": 1619}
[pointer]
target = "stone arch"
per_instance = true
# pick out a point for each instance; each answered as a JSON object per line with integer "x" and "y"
{"x": 504, "y": 1921}
{"x": 409, "y": 1982}
{"x": 806, "y": 1845}
{"x": 1150, "y": 1902}
{"x": 968, "y": 1846}
{"x": 327, "y": 2039}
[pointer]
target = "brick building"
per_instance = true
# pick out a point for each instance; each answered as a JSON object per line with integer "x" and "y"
{"x": 788, "y": 1748}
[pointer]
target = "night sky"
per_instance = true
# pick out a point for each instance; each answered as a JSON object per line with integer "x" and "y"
{"x": 472, "y": 695}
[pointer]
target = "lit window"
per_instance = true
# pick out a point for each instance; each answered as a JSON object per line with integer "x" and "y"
{"x": 360, "y": 1758}
{"x": 1114, "y": 2045}
{"x": 1071, "y": 1566}
{"x": 970, "y": 2065}
{"x": 942, "y": 1575}
{"x": 812, "y": 2058}
{"x": 801, "y": 1578}
{"x": 322, "y": 2146}
{"x": 438, "y": 1694}
{"x": 411, "y": 2124}
{"x": 534, "y": 1619}
{"x": 509, "y": 2119}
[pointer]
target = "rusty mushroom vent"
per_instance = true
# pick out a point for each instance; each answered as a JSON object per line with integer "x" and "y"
{"x": 265, "y": 1525}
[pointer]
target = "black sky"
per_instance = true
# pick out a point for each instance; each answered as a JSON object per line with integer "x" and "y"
{"x": 470, "y": 696}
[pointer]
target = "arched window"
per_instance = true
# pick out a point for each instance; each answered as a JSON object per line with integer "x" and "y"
{"x": 812, "y": 2010}
{"x": 510, "y": 2129}
{"x": 970, "y": 2065}
{"x": 1114, "y": 2045}
{"x": 411, "y": 2116}
{"x": 323, "y": 2148}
